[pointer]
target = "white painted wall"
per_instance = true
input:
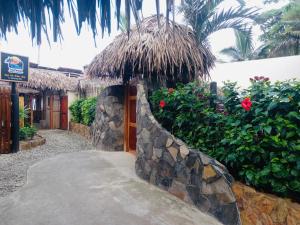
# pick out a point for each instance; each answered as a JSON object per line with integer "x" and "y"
{"x": 282, "y": 68}
{"x": 72, "y": 96}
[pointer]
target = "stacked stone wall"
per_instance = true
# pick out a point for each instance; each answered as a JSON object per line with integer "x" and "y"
{"x": 81, "y": 129}
{"x": 108, "y": 127}
{"x": 170, "y": 164}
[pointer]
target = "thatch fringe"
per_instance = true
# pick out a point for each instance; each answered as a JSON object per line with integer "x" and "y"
{"x": 165, "y": 53}
{"x": 96, "y": 84}
{"x": 42, "y": 79}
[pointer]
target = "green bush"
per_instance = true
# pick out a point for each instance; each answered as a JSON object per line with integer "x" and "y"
{"x": 27, "y": 132}
{"x": 83, "y": 110}
{"x": 75, "y": 109}
{"x": 88, "y": 110}
{"x": 260, "y": 147}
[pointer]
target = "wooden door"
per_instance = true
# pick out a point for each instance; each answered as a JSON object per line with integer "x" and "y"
{"x": 64, "y": 112}
{"x": 5, "y": 116}
{"x": 130, "y": 119}
{"x": 54, "y": 112}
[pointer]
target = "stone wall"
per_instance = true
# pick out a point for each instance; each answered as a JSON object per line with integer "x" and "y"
{"x": 35, "y": 142}
{"x": 192, "y": 176}
{"x": 264, "y": 209}
{"x": 108, "y": 126}
{"x": 83, "y": 130}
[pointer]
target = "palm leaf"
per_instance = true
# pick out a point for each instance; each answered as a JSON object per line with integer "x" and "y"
{"x": 231, "y": 52}
{"x": 232, "y": 18}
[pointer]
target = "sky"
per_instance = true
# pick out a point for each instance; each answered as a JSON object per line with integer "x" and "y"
{"x": 77, "y": 51}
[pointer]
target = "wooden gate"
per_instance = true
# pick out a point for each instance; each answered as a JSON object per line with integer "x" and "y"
{"x": 64, "y": 112}
{"x": 5, "y": 115}
{"x": 130, "y": 119}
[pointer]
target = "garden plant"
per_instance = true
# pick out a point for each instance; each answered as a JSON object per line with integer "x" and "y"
{"x": 83, "y": 110}
{"x": 254, "y": 132}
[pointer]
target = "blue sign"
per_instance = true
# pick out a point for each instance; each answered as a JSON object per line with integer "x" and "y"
{"x": 14, "y": 67}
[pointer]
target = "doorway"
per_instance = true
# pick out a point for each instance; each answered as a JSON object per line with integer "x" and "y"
{"x": 64, "y": 113}
{"x": 5, "y": 116}
{"x": 130, "y": 119}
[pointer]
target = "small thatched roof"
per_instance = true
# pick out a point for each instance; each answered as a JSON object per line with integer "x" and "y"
{"x": 96, "y": 83}
{"x": 42, "y": 79}
{"x": 168, "y": 52}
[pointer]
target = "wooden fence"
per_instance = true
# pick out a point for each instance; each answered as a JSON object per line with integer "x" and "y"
{"x": 5, "y": 116}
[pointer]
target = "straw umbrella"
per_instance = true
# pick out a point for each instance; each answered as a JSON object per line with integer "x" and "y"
{"x": 164, "y": 54}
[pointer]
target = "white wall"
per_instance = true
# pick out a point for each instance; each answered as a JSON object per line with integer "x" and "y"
{"x": 72, "y": 96}
{"x": 282, "y": 68}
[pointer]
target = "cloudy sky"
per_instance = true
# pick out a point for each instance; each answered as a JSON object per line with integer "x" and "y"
{"x": 76, "y": 51}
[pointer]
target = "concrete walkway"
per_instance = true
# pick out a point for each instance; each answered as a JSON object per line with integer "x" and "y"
{"x": 93, "y": 188}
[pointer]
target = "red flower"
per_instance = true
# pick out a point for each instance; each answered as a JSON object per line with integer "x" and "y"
{"x": 171, "y": 90}
{"x": 246, "y": 104}
{"x": 162, "y": 104}
{"x": 256, "y": 77}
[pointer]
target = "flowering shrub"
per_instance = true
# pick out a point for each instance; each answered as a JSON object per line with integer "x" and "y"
{"x": 246, "y": 104}
{"x": 256, "y": 135}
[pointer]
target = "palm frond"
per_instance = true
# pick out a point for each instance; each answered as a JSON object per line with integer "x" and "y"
{"x": 234, "y": 18}
{"x": 231, "y": 52}
{"x": 35, "y": 12}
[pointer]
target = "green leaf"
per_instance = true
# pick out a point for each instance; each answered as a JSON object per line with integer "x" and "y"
{"x": 290, "y": 134}
{"x": 272, "y": 106}
{"x": 268, "y": 129}
{"x": 297, "y": 147}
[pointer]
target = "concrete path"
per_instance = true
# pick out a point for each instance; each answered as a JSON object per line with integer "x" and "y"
{"x": 93, "y": 188}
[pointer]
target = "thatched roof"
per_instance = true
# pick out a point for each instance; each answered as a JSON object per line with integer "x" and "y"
{"x": 42, "y": 79}
{"x": 168, "y": 51}
{"x": 96, "y": 83}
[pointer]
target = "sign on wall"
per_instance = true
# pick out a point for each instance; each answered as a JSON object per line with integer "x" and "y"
{"x": 14, "y": 67}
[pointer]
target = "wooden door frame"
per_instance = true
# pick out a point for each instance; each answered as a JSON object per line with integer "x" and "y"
{"x": 127, "y": 123}
{"x": 61, "y": 111}
{"x": 126, "y": 127}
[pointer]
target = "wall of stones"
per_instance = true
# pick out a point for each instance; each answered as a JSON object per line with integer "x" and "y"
{"x": 35, "y": 142}
{"x": 83, "y": 130}
{"x": 260, "y": 208}
{"x": 192, "y": 176}
{"x": 107, "y": 129}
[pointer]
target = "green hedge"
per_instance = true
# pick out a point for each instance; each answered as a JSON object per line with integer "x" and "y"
{"x": 83, "y": 110}
{"x": 254, "y": 132}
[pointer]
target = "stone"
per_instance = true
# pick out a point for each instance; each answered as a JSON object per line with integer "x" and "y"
{"x": 184, "y": 151}
{"x": 208, "y": 172}
{"x": 169, "y": 142}
{"x": 206, "y": 160}
{"x": 112, "y": 125}
{"x": 178, "y": 189}
{"x": 101, "y": 108}
{"x": 143, "y": 111}
{"x": 160, "y": 140}
{"x": 157, "y": 153}
{"x": 167, "y": 157}
{"x": 145, "y": 135}
{"x": 148, "y": 150}
{"x": 173, "y": 151}
{"x": 191, "y": 159}
{"x": 153, "y": 179}
{"x": 280, "y": 212}
{"x": 221, "y": 190}
{"x": 261, "y": 208}
{"x": 228, "y": 213}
